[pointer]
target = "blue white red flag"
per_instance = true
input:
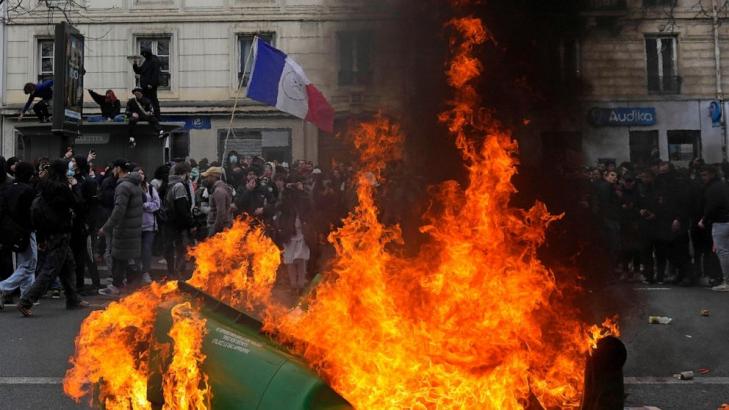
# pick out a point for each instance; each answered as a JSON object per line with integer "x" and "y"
{"x": 279, "y": 81}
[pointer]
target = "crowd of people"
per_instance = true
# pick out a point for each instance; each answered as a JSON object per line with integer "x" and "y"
{"x": 64, "y": 218}
{"x": 662, "y": 224}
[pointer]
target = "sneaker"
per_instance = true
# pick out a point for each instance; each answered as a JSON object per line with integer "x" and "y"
{"x": 56, "y": 294}
{"x": 24, "y": 310}
{"x": 82, "y": 304}
{"x": 110, "y": 290}
{"x": 724, "y": 287}
{"x": 162, "y": 134}
{"x": 146, "y": 279}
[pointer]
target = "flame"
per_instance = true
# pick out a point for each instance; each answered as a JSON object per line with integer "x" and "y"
{"x": 474, "y": 321}
{"x": 237, "y": 266}
{"x": 112, "y": 351}
{"x": 185, "y": 386}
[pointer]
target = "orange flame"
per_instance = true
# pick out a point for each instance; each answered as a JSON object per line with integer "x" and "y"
{"x": 184, "y": 385}
{"x": 474, "y": 321}
{"x": 237, "y": 266}
{"x": 112, "y": 351}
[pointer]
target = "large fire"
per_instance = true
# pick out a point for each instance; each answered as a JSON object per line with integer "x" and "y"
{"x": 475, "y": 321}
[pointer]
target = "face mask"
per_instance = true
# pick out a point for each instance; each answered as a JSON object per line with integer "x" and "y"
{"x": 195, "y": 173}
{"x": 233, "y": 159}
{"x": 69, "y": 173}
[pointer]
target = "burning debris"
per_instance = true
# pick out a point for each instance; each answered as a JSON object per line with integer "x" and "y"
{"x": 474, "y": 321}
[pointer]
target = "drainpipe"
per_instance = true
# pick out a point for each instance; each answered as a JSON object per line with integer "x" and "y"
{"x": 719, "y": 89}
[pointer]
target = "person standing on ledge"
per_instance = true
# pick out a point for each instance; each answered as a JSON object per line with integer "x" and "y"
{"x": 149, "y": 74}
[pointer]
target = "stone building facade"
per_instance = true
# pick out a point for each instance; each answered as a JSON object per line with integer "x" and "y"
{"x": 652, "y": 74}
{"x": 204, "y": 46}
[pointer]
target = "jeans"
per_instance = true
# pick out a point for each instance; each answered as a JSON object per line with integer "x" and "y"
{"x": 58, "y": 263}
{"x": 25, "y": 271}
{"x": 720, "y": 233}
{"x": 147, "y": 245}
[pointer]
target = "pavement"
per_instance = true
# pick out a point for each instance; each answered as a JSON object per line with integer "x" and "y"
{"x": 36, "y": 349}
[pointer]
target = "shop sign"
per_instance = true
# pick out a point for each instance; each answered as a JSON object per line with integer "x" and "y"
{"x": 622, "y": 116}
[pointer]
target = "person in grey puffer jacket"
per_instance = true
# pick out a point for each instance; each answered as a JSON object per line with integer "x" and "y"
{"x": 125, "y": 226}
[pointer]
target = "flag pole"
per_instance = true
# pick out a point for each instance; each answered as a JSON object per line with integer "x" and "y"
{"x": 235, "y": 104}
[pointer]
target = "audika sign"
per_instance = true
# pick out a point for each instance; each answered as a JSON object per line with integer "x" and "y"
{"x": 622, "y": 117}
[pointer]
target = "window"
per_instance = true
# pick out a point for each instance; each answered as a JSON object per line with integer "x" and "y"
{"x": 355, "y": 58}
{"x": 643, "y": 147}
{"x": 662, "y": 65}
{"x": 45, "y": 59}
{"x": 245, "y": 46}
{"x": 684, "y": 145}
{"x": 160, "y": 47}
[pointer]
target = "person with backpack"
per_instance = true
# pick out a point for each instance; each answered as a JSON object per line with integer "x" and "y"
{"x": 52, "y": 217}
{"x": 125, "y": 227}
{"x": 179, "y": 221}
{"x": 17, "y": 229}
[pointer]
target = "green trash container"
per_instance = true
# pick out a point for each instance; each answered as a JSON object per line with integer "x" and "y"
{"x": 246, "y": 369}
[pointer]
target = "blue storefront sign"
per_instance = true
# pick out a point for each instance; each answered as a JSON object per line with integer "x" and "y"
{"x": 191, "y": 123}
{"x": 715, "y": 114}
{"x": 622, "y": 116}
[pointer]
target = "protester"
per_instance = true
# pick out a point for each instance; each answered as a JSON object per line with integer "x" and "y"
{"x": 109, "y": 104}
{"x": 151, "y": 206}
{"x": 52, "y": 217}
{"x": 139, "y": 108}
{"x": 716, "y": 218}
{"x": 293, "y": 230}
{"x": 221, "y": 199}
{"x": 179, "y": 224}
{"x": 86, "y": 211}
{"x": 42, "y": 90}
{"x": 16, "y": 223}
{"x": 149, "y": 78}
{"x": 125, "y": 227}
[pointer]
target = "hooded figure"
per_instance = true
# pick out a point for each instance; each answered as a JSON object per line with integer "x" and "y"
{"x": 149, "y": 76}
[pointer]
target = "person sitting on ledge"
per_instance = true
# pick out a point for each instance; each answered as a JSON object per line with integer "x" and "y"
{"x": 110, "y": 105}
{"x": 139, "y": 108}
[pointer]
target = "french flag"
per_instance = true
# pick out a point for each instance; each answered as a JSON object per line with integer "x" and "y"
{"x": 279, "y": 81}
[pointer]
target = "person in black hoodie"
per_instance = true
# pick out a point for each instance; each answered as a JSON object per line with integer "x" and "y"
{"x": 716, "y": 218}
{"x": 17, "y": 199}
{"x": 52, "y": 214}
{"x": 149, "y": 77}
{"x": 139, "y": 108}
{"x": 110, "y": 105}
{"x": 86, "y": 190}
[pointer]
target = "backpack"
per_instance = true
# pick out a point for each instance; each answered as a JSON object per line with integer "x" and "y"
{"x": 14, "y": 236}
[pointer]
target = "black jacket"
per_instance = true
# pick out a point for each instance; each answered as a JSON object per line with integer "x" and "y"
{"x": 149, "y": 71}
{"x": 141, "y": 106}
{"x": 108, "y": 109}
{"x": 61, "y": 201}
{"x": 716, "y": 202}
{"x": 87, "y": 194}
{"x": 18, "y": 198}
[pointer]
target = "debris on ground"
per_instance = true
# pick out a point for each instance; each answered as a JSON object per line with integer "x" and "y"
{"x": 705, "y": 312}
{"x": 704, "y": 370}
{"x": 659, "y": 320}
{"x": 687, "y": 375}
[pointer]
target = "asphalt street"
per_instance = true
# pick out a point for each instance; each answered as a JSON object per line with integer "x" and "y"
{"x": 36, "y": 350}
